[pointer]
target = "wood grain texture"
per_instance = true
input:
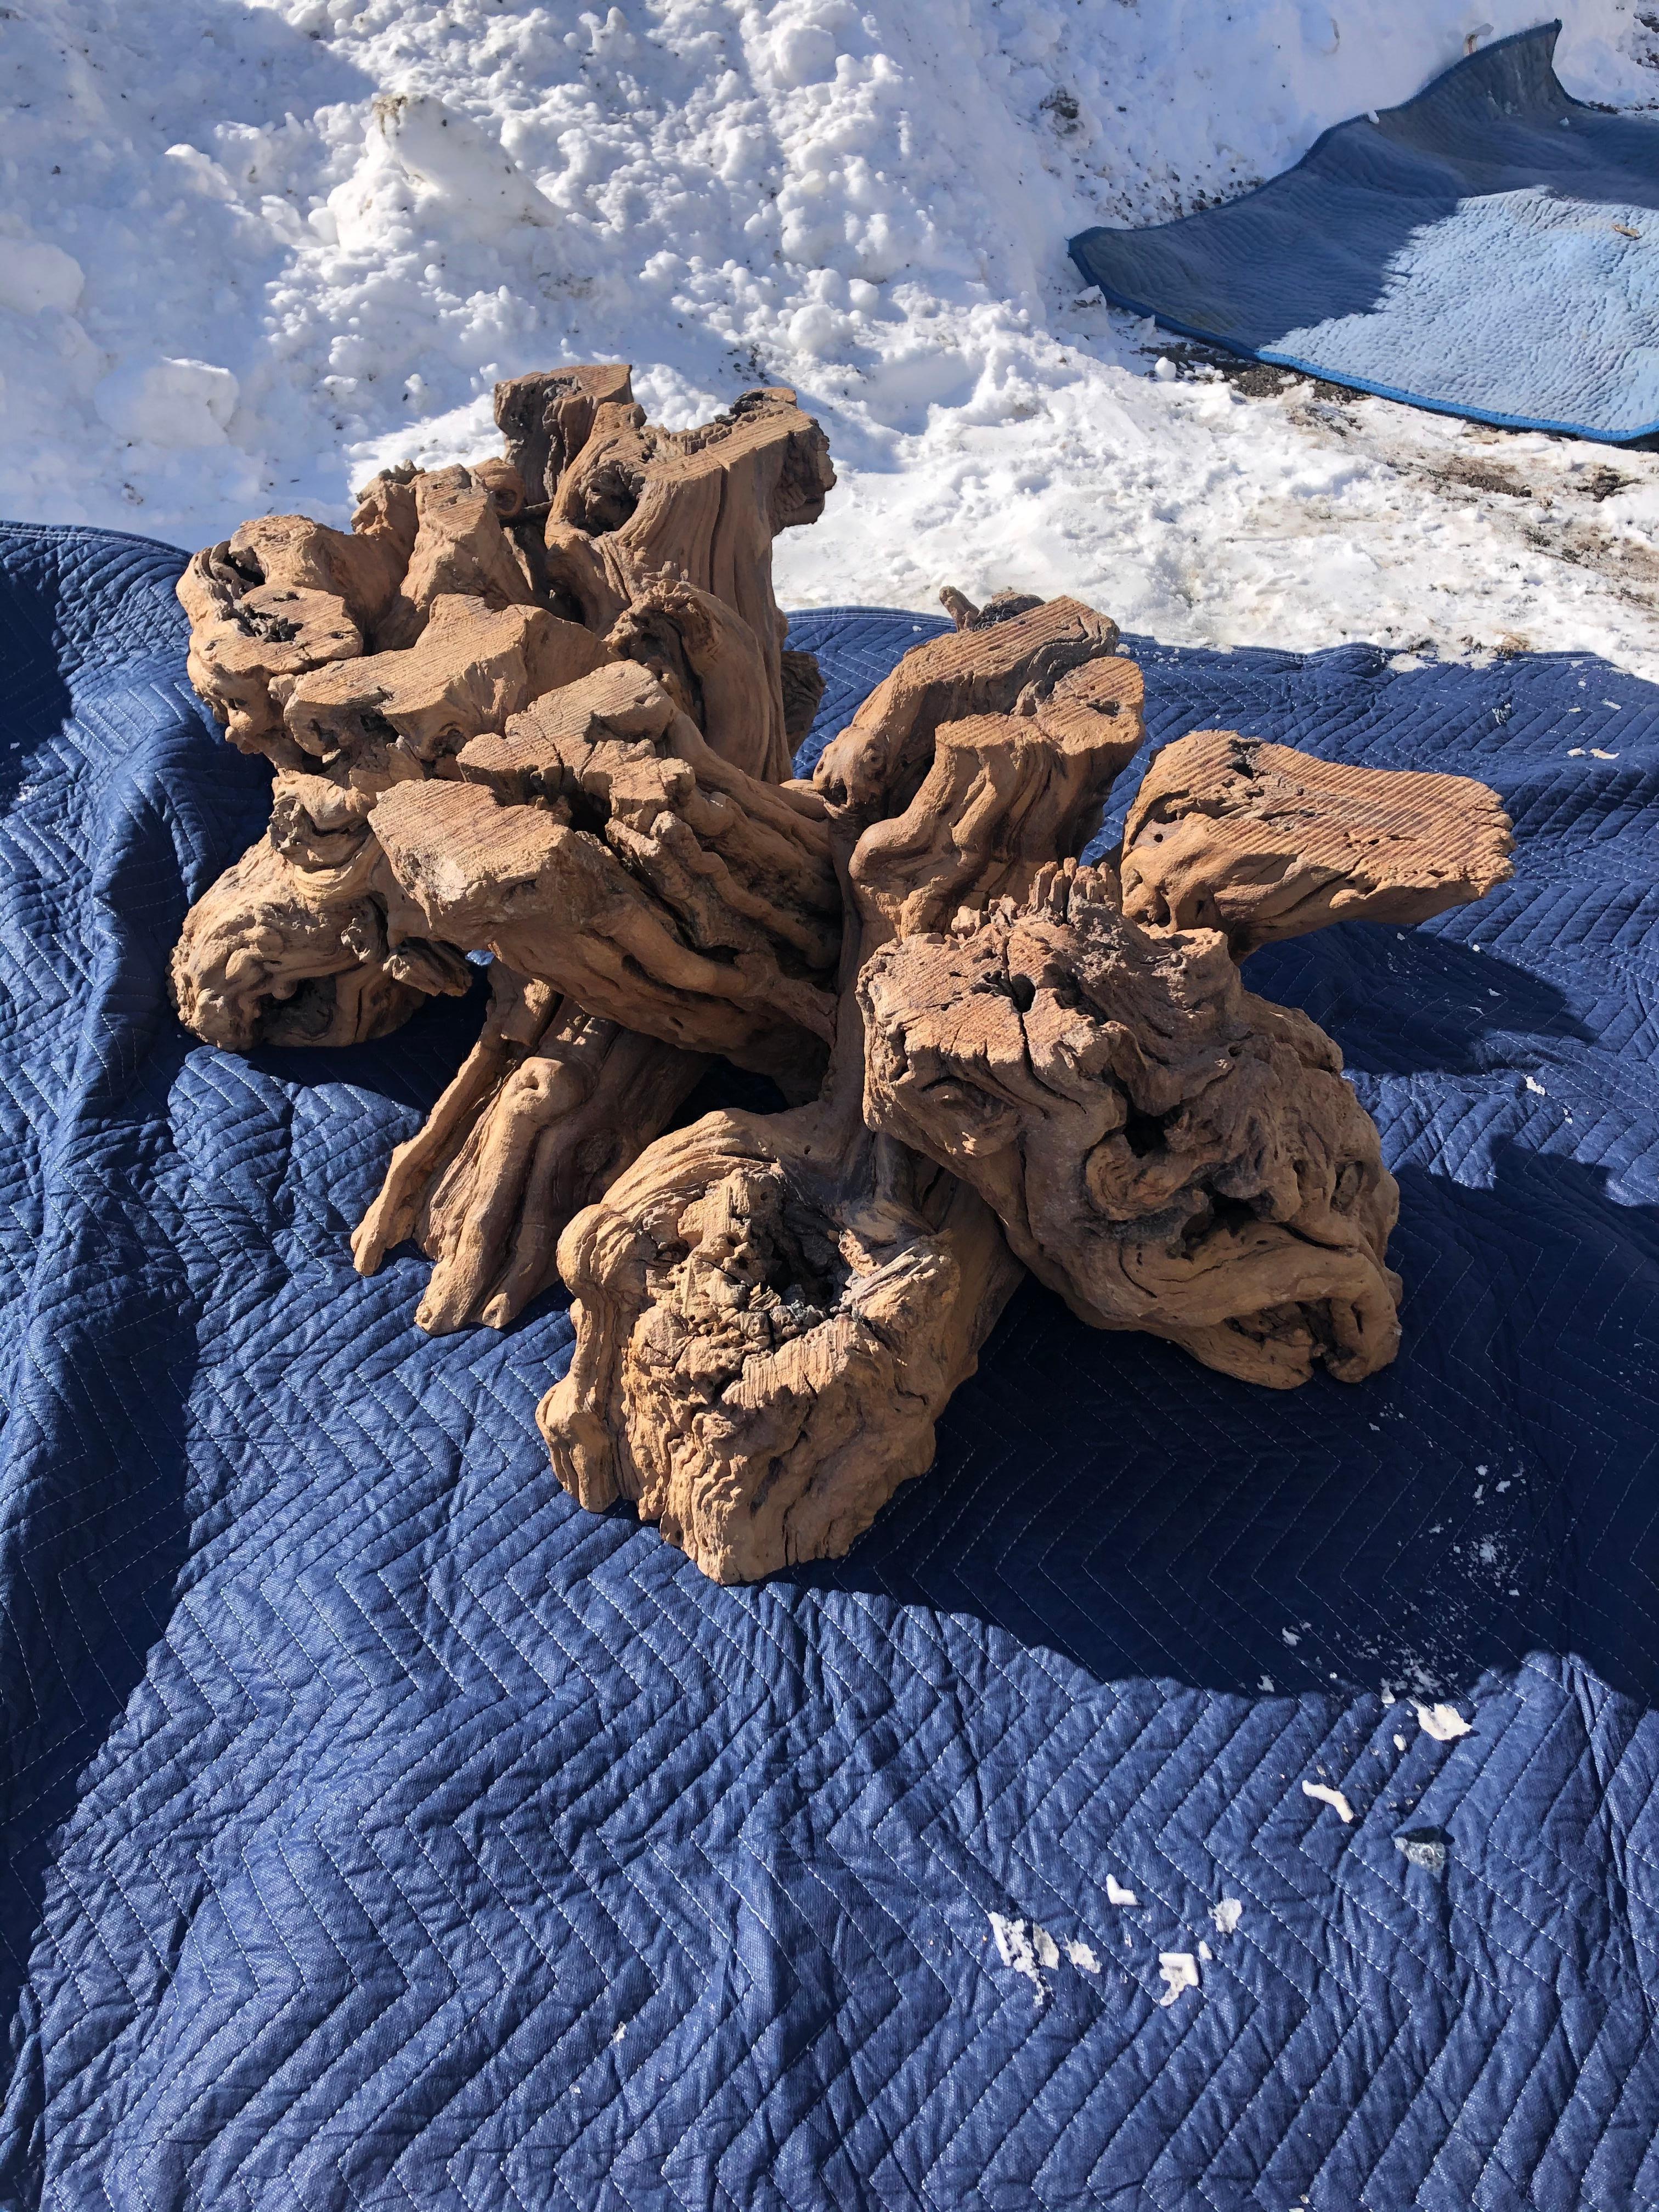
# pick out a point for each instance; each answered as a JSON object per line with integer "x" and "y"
{"x": 470, "y": 668}
{"x": 541, "y": 1118}
{"x": 1263, "y": 842}
{"x": 548, "y": 418}
{"x": 601, "y": 843}
{"x": 701, "y": 507}
{"x": 281, "y": 953}
{"x": 364, "y": 659}
{"x": 1167, "y": 1150}
{"x": 460, "y": 547}
{"x": 876, "y": 765}
{"x": 547, "y": 1109}
{"x": 771, "y": 1312}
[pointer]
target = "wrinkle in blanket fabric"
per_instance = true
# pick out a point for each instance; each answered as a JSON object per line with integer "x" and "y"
{"x": 382, "y": 1831}
{"x": 1489, "y": 249}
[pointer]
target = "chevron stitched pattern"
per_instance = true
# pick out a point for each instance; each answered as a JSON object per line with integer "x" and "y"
{"x": 382, "y": 1831}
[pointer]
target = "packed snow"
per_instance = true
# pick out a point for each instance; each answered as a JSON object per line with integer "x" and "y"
{"x": 248, "y": 253}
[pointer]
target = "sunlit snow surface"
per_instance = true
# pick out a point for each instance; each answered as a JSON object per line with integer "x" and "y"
{"x": 248, "y": 253}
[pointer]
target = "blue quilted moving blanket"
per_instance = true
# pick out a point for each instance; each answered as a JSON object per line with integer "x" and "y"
{"x": 382, "y": 1831}
{"x": 1489, "y": 249}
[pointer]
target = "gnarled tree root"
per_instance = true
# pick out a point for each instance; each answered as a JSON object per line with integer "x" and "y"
{"x": 365, "y": 658}
{"x": 877, "y": 764}
{"x": 548, "y": 1108}
{"x": 541, "y": 706}
{"x": 280, "y": 954}
{"x": 770, "y": 1313}
{"x": 769, "y": 1323}
{"x": 1167, "y": 1150}
{"x": 700, "y": 506}
{"x": 601, "y": 844}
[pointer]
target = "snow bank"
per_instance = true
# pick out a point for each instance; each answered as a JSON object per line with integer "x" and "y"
{"x": 249, "y": 251}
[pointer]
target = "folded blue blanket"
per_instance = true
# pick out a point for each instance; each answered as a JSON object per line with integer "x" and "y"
{"x": 380, "y": 1830}
{"x": 1490, "y": 249}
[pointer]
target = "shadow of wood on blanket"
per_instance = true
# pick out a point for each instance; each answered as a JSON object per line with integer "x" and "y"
{"x": 1488, "y": 1496}
{"x": 36, "y": 709}
{"x": 1409, "y": 1002}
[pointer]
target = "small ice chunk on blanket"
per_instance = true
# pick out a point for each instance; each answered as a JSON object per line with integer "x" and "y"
{"x": 1443, "y": 1723}
{"x": 1180, "y": 1971}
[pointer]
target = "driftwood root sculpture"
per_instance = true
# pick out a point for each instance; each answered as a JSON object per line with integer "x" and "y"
{"x": 541, "y": 707}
